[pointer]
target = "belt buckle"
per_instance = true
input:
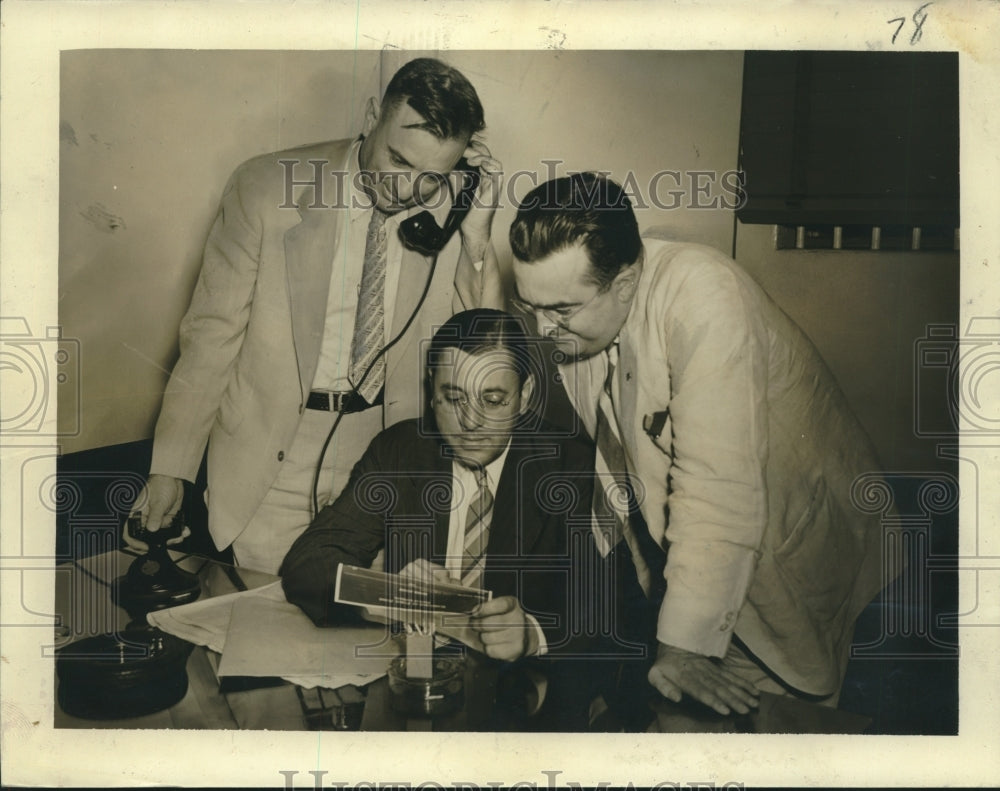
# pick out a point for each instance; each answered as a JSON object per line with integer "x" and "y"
{"x": 327, "y": 400}
{"x": 338, "y": 401}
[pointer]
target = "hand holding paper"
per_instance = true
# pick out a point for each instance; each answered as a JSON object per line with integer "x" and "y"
{"x": 426, "y": 572}
{"x": 422, "y": 594}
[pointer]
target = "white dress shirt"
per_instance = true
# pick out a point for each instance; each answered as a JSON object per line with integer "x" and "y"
{"x": 345, "y": 283}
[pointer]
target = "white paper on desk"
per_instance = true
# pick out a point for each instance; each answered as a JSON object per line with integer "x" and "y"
{"x": 206, "y": 621}
{"x": 269, "y": 637}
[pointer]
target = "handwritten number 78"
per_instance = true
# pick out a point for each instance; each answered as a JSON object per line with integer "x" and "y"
{"x": 919, "y": 17}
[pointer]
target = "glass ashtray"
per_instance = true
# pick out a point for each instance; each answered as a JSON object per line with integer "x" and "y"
{"x": 443, "y": 693}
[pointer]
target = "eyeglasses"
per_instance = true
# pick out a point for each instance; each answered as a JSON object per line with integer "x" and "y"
{"x": 485, "y": 405}
{"x": 561, "y": 316}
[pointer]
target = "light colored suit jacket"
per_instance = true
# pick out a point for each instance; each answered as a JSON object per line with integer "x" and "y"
{"x": 749, "y": 483}
{"x": 250, "y": 340}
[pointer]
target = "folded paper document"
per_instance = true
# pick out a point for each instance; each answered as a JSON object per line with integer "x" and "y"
{"x": 206, "y": 621}
{"x": 275, "y": 638}
{"x": 259, "y": 633}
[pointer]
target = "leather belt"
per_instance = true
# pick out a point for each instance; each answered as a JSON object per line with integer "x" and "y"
{"x": 347, "y": 402}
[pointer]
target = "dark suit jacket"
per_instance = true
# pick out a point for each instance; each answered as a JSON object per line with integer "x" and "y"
{"x": 540, "y": 546}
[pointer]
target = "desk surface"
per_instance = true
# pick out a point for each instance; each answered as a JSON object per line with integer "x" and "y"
{"x": 83, "y": 602}
{"x": 85, "y": 608}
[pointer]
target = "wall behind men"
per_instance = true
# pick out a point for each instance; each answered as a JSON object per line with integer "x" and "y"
{"x": 149, "y": 138}
{"x": 649, "y": 119}
{"x": 867, "y": 312}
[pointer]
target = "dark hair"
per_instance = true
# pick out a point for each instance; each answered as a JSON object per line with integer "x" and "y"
{"x": 442, "y": 95}
{"x": 480, "y": 330}
{"x": 585, "y": 207}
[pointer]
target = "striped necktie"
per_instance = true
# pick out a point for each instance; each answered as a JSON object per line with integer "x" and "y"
{"x": 369, "y": 321}
{"x": 477, "y": 531}
{"x": 614, "y": 498}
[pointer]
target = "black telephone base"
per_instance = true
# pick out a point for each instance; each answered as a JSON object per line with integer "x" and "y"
{"x": 153, "y": 582}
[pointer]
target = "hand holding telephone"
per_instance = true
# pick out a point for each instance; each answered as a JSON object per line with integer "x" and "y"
{"x": 421, "y": 232}
{"x": 153, "y": 581}
{"x": 154, "y": 538}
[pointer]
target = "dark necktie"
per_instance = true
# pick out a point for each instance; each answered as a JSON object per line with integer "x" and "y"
{"x": 369, "y": 321}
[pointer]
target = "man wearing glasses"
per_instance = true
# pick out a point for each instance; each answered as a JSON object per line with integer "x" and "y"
{"x": 736, "y": 451}
{"x": 482, "y": 491}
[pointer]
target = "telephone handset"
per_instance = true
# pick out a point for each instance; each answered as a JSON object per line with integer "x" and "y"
{"x": 421, "y": 232}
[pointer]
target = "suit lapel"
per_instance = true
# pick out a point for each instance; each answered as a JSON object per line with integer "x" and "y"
{"x": 310, "y": 250}
{"x": 515, "y": 527}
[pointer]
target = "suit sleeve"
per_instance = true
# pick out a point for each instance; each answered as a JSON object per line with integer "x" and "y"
{"x": 350, "y": 530}
{"x": 717, "y": 353}
{"x": 211, "y": 332}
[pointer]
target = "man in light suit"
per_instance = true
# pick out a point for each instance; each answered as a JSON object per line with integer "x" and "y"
{"x": 410, "y": 494}
{"x": 743, "y": 455}
{"x": 305, "y": 286}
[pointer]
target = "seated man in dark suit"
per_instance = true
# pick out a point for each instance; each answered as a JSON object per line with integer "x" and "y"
{"x": 484, "y": 491}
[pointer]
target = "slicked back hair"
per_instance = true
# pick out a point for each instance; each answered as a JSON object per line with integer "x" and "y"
{"x": 441, "y": 94}
{"x": 585, "y": 208}
{"x": 481, "y": 330}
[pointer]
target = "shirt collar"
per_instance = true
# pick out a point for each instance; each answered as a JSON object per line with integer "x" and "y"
{"x": 493, "y": 470}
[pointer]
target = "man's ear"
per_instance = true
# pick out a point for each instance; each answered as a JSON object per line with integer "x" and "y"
{"x": 527, "y": 389}
{"x": 627, "y": 281}
{"x": 372, "y": 110}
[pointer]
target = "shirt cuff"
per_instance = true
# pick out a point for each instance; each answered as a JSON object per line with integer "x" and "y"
{"x": 543, "y": 647}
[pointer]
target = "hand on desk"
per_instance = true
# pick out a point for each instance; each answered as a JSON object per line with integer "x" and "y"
{"x": 159, "y": 500}
{"x": 677, "y": 672}
{"x": 504, "y": 629}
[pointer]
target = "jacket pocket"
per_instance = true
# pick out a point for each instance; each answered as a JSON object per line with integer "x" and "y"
{"x": 799, "y": 533}
{"x": 230, "y": 416}
{"x": 818, "y": 555}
